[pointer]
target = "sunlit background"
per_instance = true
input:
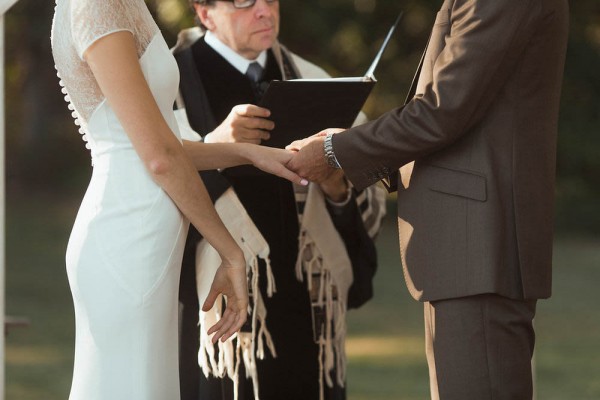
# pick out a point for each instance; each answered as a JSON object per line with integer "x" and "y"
{"x": 48, "y": 168}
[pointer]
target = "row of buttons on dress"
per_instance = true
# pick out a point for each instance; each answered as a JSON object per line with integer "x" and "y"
{"x": 74, "y": 113}
{"x": 76, "y": 117}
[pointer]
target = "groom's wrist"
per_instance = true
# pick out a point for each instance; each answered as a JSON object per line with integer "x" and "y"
{"x": 329, "y": 154}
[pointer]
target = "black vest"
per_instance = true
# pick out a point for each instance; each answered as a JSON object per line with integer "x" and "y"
{"x": 211, "y": 86}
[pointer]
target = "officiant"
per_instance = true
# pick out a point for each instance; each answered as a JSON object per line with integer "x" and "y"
{"x": 311, "y": 253}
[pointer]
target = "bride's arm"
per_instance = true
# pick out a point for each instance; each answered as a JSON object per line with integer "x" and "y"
{"x": 206, "y": 156}
{"x": 114, "y": 62}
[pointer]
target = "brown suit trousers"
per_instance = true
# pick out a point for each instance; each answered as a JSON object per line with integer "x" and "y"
{"x": 480, "y": 347}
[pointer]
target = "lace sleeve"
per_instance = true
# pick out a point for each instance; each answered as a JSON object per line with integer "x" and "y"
{"x": 92, "y": 20}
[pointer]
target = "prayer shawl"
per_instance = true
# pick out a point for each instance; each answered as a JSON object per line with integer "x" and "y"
{"x": 322, "y": 260}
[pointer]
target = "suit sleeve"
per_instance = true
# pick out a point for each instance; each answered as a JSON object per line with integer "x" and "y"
{"x": 485, "y": 41}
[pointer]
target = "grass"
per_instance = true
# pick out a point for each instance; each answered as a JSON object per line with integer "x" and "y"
{"x": 385, "y": 345}
{"x": 39, "y": 359}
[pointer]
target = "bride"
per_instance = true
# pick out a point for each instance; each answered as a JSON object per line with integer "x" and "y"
{"x": 124, "y": 254}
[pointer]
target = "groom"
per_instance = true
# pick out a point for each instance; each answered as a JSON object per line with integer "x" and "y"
{"x": 476, "y": 206}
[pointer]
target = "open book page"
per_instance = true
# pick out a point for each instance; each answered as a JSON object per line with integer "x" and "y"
{"x": 369, "y": 75}
{"x": 342, "y": 79}
{"x": 371, "y": 71}
{"x": 302, "y": 107}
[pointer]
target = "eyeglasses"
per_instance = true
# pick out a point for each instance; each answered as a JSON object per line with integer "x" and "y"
{"x": 238, "y": 3}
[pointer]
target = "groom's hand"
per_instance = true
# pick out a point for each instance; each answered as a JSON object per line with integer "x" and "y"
{"x": 309, "y": 161}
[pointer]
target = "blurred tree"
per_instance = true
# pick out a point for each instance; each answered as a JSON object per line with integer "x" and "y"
{"x": 343, "y": 36}
{"x": 43, "y": 144}
{"x": 578, "y": 165}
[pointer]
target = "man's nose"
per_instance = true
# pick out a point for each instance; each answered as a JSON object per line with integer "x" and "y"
{"x": 262, "y": 9}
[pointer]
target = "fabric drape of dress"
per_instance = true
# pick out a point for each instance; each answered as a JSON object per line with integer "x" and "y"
{"x": 124, "y": 253}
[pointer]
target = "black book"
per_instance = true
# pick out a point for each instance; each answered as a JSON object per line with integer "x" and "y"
{"x": 302, "y": 107}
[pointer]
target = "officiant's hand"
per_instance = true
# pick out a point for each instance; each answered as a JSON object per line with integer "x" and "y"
{"x": 246, "y": 123}
{"x": 309, "y": 161}
{"x": 231, "y": 281}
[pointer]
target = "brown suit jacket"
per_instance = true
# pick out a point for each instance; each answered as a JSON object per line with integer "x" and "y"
{"x": 476, "y": 210}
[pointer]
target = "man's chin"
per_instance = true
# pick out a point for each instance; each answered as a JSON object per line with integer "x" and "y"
{"x": 265, "y": 43}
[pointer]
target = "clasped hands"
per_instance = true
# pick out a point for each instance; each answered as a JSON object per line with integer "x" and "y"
{"x": 302, "y": 161}
{"x": 309, "y": 159}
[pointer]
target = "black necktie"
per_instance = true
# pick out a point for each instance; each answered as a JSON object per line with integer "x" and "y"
{"x": 255, "y": 73}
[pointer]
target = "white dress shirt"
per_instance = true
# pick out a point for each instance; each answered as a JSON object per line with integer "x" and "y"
{"x": 239, "y": 62}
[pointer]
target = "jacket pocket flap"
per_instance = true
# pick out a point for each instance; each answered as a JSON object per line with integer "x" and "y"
{"x": 458, "y": 183}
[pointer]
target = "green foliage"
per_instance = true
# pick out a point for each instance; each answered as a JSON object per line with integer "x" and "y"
{"x": 578, "y": 158}
{"x": 340, "y": 35}
{"x": 43, "y": 146}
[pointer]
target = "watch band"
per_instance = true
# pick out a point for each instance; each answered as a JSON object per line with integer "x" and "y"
{"x": 329, "y": 154}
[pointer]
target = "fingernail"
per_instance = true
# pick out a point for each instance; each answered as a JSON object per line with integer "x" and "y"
{"x": 304, "y": 182}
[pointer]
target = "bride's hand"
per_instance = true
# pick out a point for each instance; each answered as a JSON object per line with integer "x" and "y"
{"x": 231, "y": 281}
{"x": 274, "y": 161}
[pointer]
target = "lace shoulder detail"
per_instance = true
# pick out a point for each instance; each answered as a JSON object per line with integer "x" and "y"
{"x": 93, "y": 19}
{"x": 76, "y": 26}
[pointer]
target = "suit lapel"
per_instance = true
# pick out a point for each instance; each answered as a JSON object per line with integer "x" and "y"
{"x": 391, "y": 182}
{"x": 415, "y": 80}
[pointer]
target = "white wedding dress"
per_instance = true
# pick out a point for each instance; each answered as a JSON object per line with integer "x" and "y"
{"x": 124, "y": 253}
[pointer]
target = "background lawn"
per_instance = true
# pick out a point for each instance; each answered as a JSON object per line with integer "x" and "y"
{"x": 385, "y": 345}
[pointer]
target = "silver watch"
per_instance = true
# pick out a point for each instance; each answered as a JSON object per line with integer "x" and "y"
{"x": 329, "y": 154}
